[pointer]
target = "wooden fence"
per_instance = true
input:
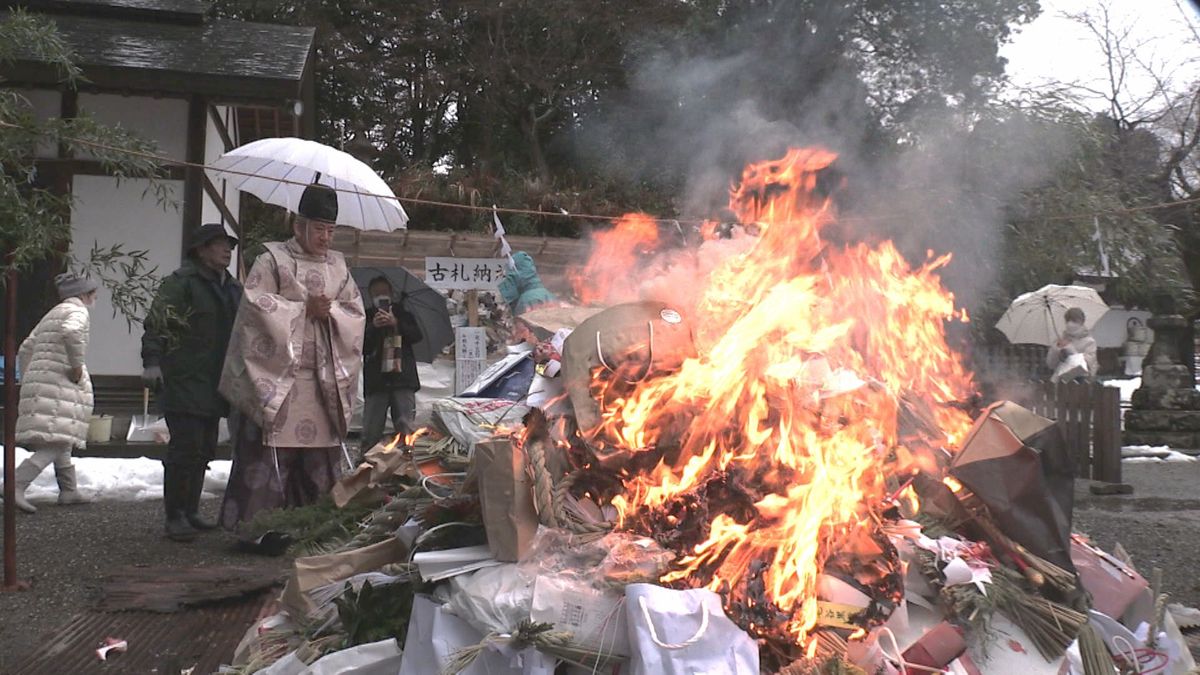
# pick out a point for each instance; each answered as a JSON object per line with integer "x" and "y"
{"x": 1090, "y": 417}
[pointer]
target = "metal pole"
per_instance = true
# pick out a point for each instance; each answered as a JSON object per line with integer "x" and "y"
{"x": 10, "y": 428}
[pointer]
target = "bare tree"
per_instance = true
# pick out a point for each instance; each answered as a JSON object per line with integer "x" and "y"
{"x": 1152, "y": 100}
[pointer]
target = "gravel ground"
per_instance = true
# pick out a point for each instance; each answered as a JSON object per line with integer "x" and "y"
{"x": 1159, "y": 524}
{"x": 65, "y": 552}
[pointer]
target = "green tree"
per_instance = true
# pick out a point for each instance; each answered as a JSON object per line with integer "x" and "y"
{"x": 1149, "y": 138}
{"x": 34, "y": 217}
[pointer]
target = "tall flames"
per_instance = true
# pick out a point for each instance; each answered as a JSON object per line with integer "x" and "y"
{"x": 809, "y": 352}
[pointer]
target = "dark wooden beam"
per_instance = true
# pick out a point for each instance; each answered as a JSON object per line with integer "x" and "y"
{"x": 68, "y": 109}
{"x": 193, "y": 182}
{"x": 222, "y": 130}
{"x": 308, "y": 98}
{"x": 215, "y": 195}
{"x": 65, "y": 169}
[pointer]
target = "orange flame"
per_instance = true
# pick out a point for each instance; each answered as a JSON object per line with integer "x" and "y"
{"x": 615, "y": 252}
{"x": 808, "y": 349}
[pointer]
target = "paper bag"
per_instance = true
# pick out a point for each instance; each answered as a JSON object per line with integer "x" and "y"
{"x": 684, "y": 633}
{"x": 315, "y": 571}
{"x": 1070, "y": 369}
{"x": 1112, "y": 584}
{"x": 380, "y": 463}
{"x": 505, "y": 498}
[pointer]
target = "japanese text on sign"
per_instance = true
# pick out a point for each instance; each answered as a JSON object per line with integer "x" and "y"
{"x": 470, "y": 356}
{"x": 465, "y": 274}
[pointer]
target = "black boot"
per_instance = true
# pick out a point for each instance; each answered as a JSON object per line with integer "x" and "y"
{"x": 195, "y": 488}
{"x": 175, "y": 496}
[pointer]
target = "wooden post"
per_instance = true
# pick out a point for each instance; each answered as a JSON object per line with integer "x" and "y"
{"x": 193, "y": 184}
{"x": 1106, "y": 452}
{"x": 10, "y": 428}
{"x": 472, "y": 308}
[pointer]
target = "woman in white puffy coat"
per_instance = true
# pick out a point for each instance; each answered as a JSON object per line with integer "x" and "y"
{"x": 56, "y": 392}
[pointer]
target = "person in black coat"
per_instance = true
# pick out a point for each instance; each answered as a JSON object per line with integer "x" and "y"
{"x": 390, "y": 380}
{"x": 203, "y": 298}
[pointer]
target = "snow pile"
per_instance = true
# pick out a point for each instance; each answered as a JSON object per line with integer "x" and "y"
{"x": 1155, "y": 453}
{"x": 1127, "y": 387}
{"x": 113, "y": 479}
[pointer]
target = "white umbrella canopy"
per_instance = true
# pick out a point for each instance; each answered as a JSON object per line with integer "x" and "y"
{"x": 1037, "y": 317}
{"x": 276, "y": 170}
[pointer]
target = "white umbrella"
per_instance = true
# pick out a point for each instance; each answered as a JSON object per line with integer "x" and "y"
{"x": 276, "y": 170}
{"x": 1037, "y": 317}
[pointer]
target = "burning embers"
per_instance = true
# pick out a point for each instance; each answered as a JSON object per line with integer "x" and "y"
{"x": 768, "y": 459}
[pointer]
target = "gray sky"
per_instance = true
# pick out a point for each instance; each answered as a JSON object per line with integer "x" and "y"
{"x": 1055, "y": 48}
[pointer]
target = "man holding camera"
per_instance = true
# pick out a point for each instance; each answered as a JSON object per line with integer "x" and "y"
{"x": 390, "y": 380}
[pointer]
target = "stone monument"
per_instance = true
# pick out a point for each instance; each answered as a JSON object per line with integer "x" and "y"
{"x": 1166, "y": 408}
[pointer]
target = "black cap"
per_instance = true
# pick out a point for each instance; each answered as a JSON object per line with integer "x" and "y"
{"x": 207, "y": 232}
{"x": 319, "y": 202}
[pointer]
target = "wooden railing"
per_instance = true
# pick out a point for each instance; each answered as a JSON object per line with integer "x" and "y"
{"x": 1090, "y": 418}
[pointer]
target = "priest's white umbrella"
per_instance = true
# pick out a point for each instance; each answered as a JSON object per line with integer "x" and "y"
{"x": 276, "y": 170}
{"x": 1038, "y": 318}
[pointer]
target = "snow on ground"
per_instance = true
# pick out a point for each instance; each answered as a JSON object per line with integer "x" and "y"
{"x": 140, "y": 479}
{"x": 1127, "y": 387}
{"x": 1156, "y": 453}
{"x": 112, "y": 479}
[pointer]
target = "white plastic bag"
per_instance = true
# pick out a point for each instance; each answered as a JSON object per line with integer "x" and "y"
{"x": 375, "y": 658}
{"x": 435, "y": 637}
{"x": 595, "y": 618}
{"x": 471, "y": 420}
{"x": 493, "y": 600}
{"x": 685, "y": 633}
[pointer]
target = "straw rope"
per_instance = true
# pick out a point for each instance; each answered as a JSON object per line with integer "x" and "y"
{"x": 551, "y": 498}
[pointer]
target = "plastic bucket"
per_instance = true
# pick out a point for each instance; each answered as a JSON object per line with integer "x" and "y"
{"x": 100, "y": 429}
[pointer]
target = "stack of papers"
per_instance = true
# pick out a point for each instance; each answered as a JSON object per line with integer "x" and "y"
{"x": 438, "y": 565}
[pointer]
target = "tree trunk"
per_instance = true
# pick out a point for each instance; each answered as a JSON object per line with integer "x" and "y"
{"x": 529, "y": 124}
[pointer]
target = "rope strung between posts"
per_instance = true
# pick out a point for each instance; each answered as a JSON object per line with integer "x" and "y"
{"x": 692, "y": 220}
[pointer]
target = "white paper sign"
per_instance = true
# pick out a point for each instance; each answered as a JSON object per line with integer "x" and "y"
{"x": 466, "y": 371}
{"x": 470, "y": 342}
{"x": 464, "y": 274}
{"x": 470, "y": 356}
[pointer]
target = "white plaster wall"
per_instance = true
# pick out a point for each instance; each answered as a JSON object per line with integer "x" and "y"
{"x": 214, "y": 147}
{"x": 1111, "y": 330}
{"x": 109, "y": 213}
{"x": 162, "y": 120}
{"x": 46, "y": 103}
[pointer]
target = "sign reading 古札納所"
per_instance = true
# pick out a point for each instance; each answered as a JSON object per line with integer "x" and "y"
{"x": 464, "y": 274}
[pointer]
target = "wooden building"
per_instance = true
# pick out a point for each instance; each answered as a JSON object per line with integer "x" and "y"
{"x": 196, "y": 86}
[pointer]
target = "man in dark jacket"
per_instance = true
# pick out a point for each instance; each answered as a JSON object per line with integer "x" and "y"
{"x": 183, "y": 351}
{"x": 390, "y": 380}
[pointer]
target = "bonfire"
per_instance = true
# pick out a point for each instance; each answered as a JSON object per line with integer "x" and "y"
{"x": 770, "y": 459}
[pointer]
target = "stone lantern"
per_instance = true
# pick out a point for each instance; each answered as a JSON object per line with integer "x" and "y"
{"x": 1166, "y": 408}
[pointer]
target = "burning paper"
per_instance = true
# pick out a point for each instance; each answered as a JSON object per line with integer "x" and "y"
{"x": 766, "y": 474}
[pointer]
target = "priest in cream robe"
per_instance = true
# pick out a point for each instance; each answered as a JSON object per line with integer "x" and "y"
{"x": 291, "y": 372}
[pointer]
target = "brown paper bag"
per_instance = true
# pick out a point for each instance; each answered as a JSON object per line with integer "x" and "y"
{"x": 380, "y": 463}
{"x": 505, "y": 498}
{"x": 318, "y": 570}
